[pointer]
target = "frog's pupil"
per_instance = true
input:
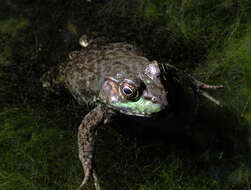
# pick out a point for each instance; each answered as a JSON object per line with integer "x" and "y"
{"x": 127, "y": 91}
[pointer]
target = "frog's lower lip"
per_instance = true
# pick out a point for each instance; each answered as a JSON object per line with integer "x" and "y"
{"x": 139, "y": 114}
{"x": 156, "y": 114}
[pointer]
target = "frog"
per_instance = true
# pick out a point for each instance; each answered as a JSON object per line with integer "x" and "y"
{"x": 112, "y": 78}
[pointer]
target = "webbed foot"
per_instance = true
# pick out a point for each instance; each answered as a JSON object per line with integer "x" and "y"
{"x": 88, "y": 171}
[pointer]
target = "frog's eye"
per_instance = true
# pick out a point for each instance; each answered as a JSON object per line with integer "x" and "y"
{"x": 129, "y": 91}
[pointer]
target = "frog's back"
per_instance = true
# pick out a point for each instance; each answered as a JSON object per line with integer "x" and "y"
{"x": 88, "y": 68}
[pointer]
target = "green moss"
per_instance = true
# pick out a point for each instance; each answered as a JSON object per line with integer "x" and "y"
{"x": 149, "y": 9}
{"x": 231, "y": 67}
{"x": 209, "y": 39}
{"x": 180, "y": 174}
{"x": 13, "y": 25}
{"x": 35, "y": 154}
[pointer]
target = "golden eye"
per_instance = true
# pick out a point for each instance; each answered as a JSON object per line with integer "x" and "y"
{"x": 129, "y": 91}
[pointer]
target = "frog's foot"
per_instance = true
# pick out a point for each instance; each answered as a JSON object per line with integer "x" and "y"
{"x": 94, "y": 175}
{"x": 89, "y": 170}
{"x": 196, "y": 85}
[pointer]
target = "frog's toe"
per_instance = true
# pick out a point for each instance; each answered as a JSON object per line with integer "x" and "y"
{"x": 97, "y": 186}
{"x": 87, "y": 176}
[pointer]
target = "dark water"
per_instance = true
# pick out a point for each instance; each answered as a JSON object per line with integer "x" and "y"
{"x": 211, "y": 141}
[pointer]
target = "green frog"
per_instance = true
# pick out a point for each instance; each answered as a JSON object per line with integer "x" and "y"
{"x": 112, "y": 78}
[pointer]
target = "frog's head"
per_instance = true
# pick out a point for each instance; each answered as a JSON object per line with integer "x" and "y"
{"x": 140, "y": 95}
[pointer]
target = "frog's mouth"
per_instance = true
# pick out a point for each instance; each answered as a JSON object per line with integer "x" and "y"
{"x": 141, "y": 108}
{"x": 131, "y": 113}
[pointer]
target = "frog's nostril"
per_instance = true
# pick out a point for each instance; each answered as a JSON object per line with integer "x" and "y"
{"x": 154, "y": 99}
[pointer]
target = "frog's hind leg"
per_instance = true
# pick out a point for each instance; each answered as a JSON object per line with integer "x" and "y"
{"x": 87, "y": 133}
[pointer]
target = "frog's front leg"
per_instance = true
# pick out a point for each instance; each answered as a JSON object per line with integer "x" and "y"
{"x": 87, "y": 133}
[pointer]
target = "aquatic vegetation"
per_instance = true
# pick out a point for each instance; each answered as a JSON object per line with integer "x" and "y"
{"x": 209, "y": 39}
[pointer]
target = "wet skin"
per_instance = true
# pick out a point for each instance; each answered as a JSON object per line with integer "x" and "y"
{"x": 113, "y": 78}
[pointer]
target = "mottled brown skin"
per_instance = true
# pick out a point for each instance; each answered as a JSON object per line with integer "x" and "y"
{"x": 85, "y": 74}
{"x": 112, "y": 78}
{"x": 87, "y": 69}
{"x": 97, "y": 75}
